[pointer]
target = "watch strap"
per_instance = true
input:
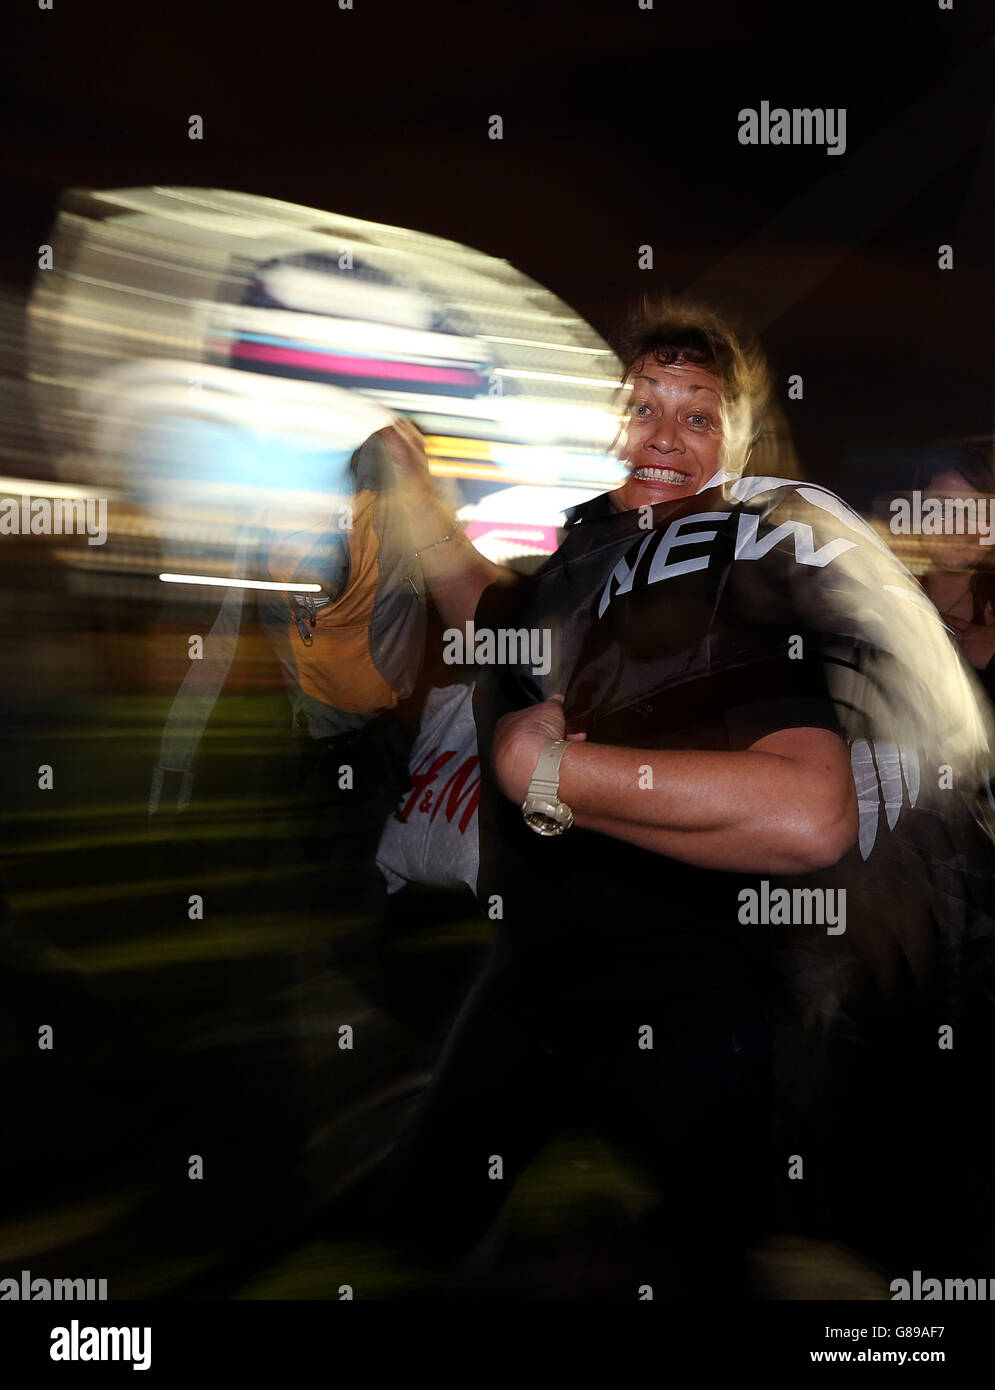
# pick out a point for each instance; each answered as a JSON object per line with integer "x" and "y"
{"x": 546, "y": 777}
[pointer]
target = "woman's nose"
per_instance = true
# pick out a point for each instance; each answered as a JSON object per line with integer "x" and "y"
{"x": 664, "y": 436}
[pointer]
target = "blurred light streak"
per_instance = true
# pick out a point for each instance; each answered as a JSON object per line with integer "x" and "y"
{"x": 34, "y": 487}
{"x": 556, "y": 376}
{"x": 239, "y": 583}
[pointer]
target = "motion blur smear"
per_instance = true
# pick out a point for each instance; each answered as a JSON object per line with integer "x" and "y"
{"x": 209, "y": 365}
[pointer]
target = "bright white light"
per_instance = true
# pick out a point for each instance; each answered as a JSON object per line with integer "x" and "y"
{"x": 388, "y": 340}
{"x": 32, "y": 487}
{"x": 608, "y": 383}
{"x": 527, "y": 504}
{"x": 550, "y": 422}
{"x": 239, "y": 583}
{"x": 316, "y": 292}
{"x": 549, "y": 347}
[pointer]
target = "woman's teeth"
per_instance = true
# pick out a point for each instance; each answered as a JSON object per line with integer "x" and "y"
{"x": 661, "y": 475}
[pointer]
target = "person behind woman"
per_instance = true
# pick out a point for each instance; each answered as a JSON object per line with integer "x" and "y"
{"x": 960, "y": 579}
{"x": 623, "y": 989}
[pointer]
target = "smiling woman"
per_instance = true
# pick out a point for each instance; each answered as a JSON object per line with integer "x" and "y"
{"x": 673, "y": 433}
{"x": 697, "y": 398}
{"x": 617, "y": 832}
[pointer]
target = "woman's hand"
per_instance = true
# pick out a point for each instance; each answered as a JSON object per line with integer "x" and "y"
{"x": 518, "y": 741}
{"x": 455, "y": 572}
{"x": 406, "y": 448}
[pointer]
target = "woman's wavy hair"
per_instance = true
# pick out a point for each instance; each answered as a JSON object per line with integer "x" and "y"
{"x": 673, "y": 331}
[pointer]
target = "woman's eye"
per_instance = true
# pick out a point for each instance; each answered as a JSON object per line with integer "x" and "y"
{"x": 641, "y": 409}
{"x": 700, "y": 420}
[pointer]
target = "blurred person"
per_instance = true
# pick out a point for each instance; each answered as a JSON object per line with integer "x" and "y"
{"x": 960, "y": 579}
{"x": 310, "y": 786}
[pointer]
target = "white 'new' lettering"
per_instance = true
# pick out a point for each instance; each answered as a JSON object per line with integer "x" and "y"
{"x": 749, "y": 548}
{"x": 623, "y": 575}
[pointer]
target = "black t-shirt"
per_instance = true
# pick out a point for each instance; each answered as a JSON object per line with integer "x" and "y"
{"x": 591, "y": 928}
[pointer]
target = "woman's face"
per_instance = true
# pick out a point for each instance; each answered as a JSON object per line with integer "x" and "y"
{"x": 672, "y": 436}
{"x": 952, "y": 551}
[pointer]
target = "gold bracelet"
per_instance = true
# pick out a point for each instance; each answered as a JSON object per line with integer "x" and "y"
{"x": 441, "y": 541}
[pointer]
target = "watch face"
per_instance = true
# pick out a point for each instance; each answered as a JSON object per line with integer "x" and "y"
{"x": 543, "y": 824}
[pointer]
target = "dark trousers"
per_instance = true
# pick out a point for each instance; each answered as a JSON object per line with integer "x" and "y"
{"x": 695, "y": 1115}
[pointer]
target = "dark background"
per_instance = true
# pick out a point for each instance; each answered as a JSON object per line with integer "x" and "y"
{"x": 620, "y": 129}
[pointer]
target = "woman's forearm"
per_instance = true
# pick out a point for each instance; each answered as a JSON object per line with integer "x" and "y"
{"x": 455, "y": 571}
{"x": 788, "y": 811}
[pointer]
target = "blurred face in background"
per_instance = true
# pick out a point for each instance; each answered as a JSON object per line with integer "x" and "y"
{"x": 672, "y": 433}
{"x": 952, "y": 551}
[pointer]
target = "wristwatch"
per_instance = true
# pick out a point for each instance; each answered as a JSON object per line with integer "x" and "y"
{"x": 542, "y": 808}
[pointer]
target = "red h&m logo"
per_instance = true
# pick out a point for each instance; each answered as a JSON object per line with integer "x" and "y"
{"x": 461, "y": 789}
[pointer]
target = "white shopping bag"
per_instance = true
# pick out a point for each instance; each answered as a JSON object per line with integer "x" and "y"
{"x": 432, "y": 836}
